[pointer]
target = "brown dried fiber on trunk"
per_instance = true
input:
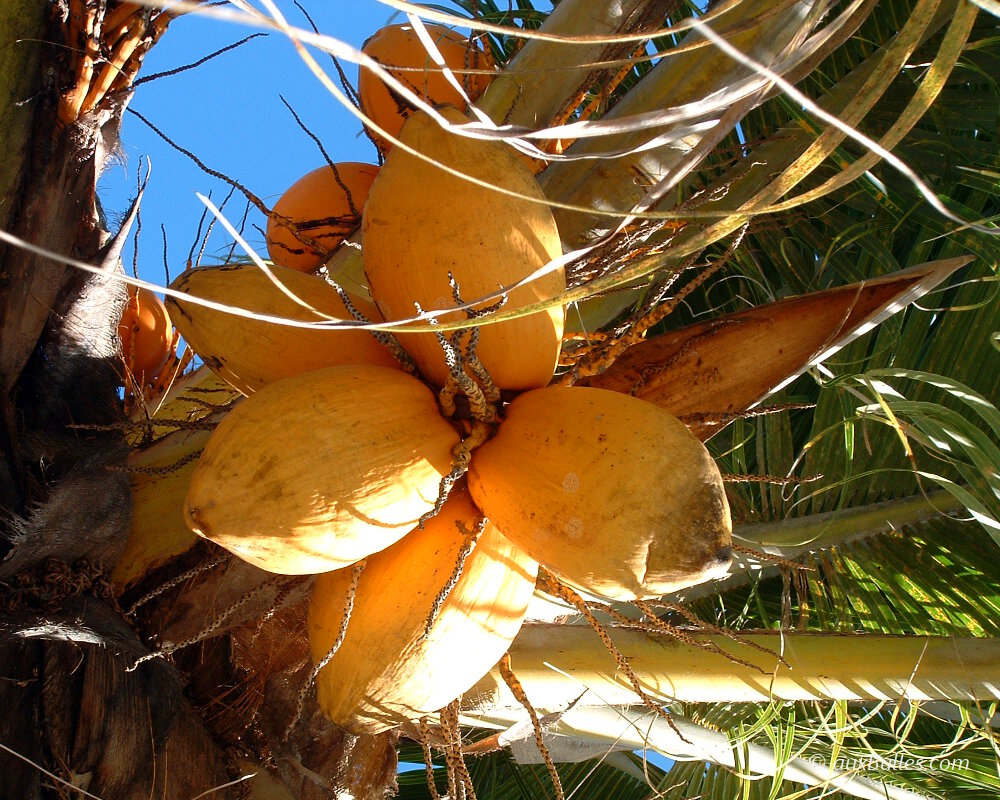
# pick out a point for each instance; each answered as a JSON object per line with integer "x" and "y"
{"x": 75, "y": 714}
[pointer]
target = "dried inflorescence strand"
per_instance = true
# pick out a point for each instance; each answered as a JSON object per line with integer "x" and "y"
{"x": 725, "y": 417}
{"x": 507, "y": 673}
{"x": 482, "y": 393}
{"x": 790, "y": 572}
{"x": 549, "y": 583}
{"x": 631, "y": 244}
{"x": 474, "y": 313}
{"x": 661, "y": 310}
{"x": 802, "y": 591}
{"x": 384, "y": 338}
{"x": 177, "y": 580}
{"x": 647, "y": 608}
{"x": 638, "y": 330}
{"x": 471, "y": 538}
{"x": 259, "y": 204}
{"x": 162, "y": 469}
{"x": 651, "y": 623}
{"x": 772, "y": 480}
{"x": 657, "y": 624}
{"x": 462, "y": 453}
{"x": 140, "y": 426}
{"x": 425, "y": 745}
{"x": 300, "y": 701}
{"x": 169, "y": 73}
{"x": 459, "y": 779}
{"x": 600, "y": 94}
{"x": 205, "y": 633}
{"x": 459, "y": 381}
{"x": 597, "y": 360}
{"x": 279, "y": 602}
{"x": 491, "y": 392}
{"x": 760, "y": 555}
{"x": 448, "y": 482}
{"x": 204, "y": 404}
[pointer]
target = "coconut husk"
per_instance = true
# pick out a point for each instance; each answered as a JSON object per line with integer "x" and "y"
{"x": 729, "y": 364}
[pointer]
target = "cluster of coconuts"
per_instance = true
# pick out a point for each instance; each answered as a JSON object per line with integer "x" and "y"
{"x": 342, "y": 453}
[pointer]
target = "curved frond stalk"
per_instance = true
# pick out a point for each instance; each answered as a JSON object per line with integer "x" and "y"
{"x": 822, "y": 667}
{"x": 789, "y": 157}
{"x": 796, "y": 536}
{"x": 530, "y": 93}
{"x": 698, "y": 83}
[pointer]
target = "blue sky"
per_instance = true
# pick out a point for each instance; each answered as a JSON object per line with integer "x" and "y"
{"x": 229, "y": 113}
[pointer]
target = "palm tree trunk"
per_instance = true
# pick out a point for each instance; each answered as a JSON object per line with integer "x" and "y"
{"x": 75, "y": 714}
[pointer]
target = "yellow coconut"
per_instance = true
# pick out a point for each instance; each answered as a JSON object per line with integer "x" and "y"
{"x": 386, "y": 671}
{"x": 317, "y": 471}
{"x": 160, "y": 480}
{"x": 606, "y": 490}
{"x": 421, "y": 223}
{"x": 250, "y": 353}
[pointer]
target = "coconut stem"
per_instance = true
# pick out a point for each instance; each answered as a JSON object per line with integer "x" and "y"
{"x": 459, "y": 380}
{"x": 459, "y": 779}
{"x": 384, "y": 338}
{"x": 169, "y": 647}
{"x": 425, "y": 745}
{"x": 463, "y": 456}
{"x": 175, "y": 581}
{"x": 507, "y": 673}
{"x": 549, "y": 583}
{"x": 471, "y": 539}
{"x": 300, "y": 702}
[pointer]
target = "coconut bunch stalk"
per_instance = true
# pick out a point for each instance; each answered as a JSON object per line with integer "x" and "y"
{"x": 302, "y": 478}
{"x": 269, "y": 443}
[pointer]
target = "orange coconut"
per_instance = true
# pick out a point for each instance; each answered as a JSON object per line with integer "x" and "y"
{"x": 608, "y": 491}
{"x": 423, "y": 224}
{"x": 325, "y": 206}
{"x": 146, "y": 333}
{"x": 391, "y": 667}
{"x": 400, "y": 51}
